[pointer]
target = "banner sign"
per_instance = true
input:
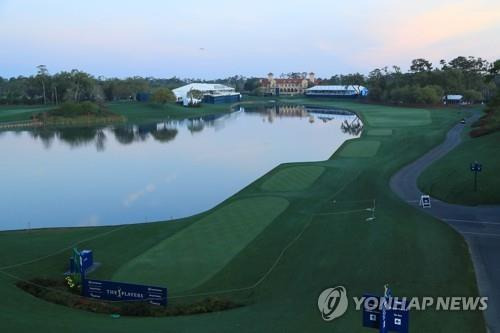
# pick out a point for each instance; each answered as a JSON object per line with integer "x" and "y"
{"x": 371, "y": 311}
{"x": 117, "y": 291}
{"x": 389, "y": 316}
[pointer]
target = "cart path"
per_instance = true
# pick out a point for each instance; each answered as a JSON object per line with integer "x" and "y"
{"x": 479, "y": 225}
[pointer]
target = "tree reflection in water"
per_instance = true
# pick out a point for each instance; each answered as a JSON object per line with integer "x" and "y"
{"x": 167, "y": 130}
{"x": 353, "y": 127}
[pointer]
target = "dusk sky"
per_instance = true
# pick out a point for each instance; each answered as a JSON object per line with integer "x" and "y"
{"x": 218, "y": 38}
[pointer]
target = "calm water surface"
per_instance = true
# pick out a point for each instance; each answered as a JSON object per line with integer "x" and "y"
{"x": 136, "y": 173}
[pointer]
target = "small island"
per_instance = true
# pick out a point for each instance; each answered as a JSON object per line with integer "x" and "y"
{"x": 71, "y": 113}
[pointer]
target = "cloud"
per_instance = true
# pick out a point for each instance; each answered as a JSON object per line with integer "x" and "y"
{"x": 132, "y": 197}
{"x": 435, "y": 32}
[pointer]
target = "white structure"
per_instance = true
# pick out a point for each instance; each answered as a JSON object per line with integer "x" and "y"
{"x": 212, "y": 93}
{"x": 337, "y": 91}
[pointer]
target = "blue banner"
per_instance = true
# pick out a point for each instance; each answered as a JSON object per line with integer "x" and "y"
{"x": 117, "y": 291}
{"x": 392, "y": 316}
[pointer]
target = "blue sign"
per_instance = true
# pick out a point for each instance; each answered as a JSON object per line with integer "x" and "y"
{"x": 476, "y": 167}
{"x": 391, "y": 316}
{"x": 371, "y": 311}
{"x": 117, "y": 291}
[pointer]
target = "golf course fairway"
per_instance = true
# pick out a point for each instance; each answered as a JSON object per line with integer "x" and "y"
{"x": 273, "y": 247}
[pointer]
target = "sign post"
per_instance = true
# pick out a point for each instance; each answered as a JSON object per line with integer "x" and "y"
{"x": 425, "y": 201}
{"x": 476, "y": 167}
{"x": 386, "y": 313}
{"x": 82, "y": 261}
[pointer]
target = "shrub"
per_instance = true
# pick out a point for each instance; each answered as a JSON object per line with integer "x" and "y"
{"x": 55, "y": 291}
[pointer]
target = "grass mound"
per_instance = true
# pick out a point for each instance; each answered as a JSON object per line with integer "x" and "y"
{"x": 451, "y": 180}
{"x": 198, "y": 252}
{"x": 293, "y": 178}
{"x": 77, "y": 112}
{"x": 360, "y": 148}
{"x": 56, "y": 291}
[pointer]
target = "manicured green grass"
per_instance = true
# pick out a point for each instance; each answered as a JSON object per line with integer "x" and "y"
{"x": 198, "y": 252}
{"x": 293, "y": 178}
{"x": 381, "y": 117}
{"x": 321, "y": 240}
{"x": 451, "y": 180}
{"x": 380, "y": 132}
{"x": 133, "y": 111}
{"x": 10, "y": 113}
{"x": 358, "y": 148}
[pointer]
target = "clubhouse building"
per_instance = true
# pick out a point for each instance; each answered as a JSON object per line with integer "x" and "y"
{"x": 290, "y": 87}
{"x": 212, "y": 94}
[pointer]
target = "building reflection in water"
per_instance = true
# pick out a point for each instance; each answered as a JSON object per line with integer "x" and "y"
{"x": 166, "y": 131}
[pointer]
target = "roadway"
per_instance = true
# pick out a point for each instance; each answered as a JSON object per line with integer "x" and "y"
{"x": 479, "y": 225}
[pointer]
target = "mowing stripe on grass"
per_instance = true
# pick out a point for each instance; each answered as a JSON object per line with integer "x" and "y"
{"x": 360, "y": 148}
{"x": 380, "y": 132}
{"x": 195, "y": 254}
{"x": 403, "y": 117}
{"x": 293, "y": 178}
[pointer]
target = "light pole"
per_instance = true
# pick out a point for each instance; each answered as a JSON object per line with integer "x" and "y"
{"x": 476, "y": 167}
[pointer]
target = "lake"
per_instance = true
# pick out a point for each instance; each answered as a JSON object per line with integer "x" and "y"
{"x": 131, "y": 173}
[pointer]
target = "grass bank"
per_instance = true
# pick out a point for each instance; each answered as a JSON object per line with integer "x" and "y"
{"x": 274, "y": 246}
{"x": 451, "y": 180}
{"x": 135, "y": 112}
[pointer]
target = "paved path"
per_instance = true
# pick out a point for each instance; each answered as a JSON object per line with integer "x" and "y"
{"x": 480, "y": 225}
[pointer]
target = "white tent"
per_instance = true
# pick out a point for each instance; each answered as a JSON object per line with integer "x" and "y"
{"x": 181, "y": 93}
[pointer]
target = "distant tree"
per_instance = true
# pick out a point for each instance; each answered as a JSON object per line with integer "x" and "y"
{"x": 162, "y": 96}
{"x": 431, "y": 94}
{"x": 443, "y": 64}
{"x": 356, "y": 79}
{"x": 42, "y": 75}
{"x": 494, "y": 73}
{"x": 472, "y": 96}
{"x": 251, "y": 84}
{"x": 420, "y": 65}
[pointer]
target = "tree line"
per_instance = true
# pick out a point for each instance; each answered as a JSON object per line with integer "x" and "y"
{"x": 424, "y": 83}
{"x": 76, "y": 86}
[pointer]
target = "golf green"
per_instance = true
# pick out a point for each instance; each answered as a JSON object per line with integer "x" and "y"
{"x": 196, "y": 253}
{"x": 293, "y": 178}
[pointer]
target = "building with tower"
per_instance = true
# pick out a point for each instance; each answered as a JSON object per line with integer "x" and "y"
{"x": 289, "y": 86}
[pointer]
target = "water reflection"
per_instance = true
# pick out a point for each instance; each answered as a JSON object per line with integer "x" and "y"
{"x": 154, "y": 171}
{"x": 167, "y": 130}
